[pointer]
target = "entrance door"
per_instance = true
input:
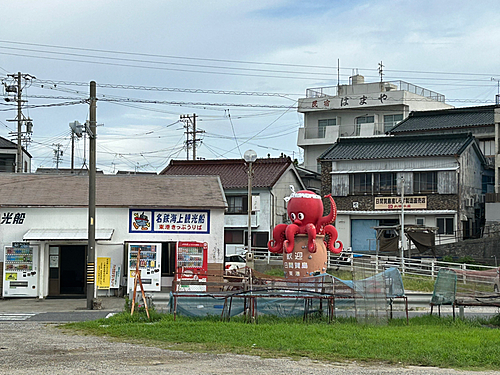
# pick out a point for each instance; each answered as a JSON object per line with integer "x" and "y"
{"x": 363, "y": 236}
{"x": 67, "y": 270}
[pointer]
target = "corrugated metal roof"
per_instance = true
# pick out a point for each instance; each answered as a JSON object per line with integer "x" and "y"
{"x": 446, "y": 119}
{"x": 233, "y": 172}
{"x": 397, "y": 147}
{"x": 22, "y": 190}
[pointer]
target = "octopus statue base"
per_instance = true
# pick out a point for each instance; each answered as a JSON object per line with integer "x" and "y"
{"x": 301, "y": 263}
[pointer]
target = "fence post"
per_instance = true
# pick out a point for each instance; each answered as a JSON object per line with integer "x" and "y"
{"x": 464, "y": 267}
{"x": 432, "y": 268}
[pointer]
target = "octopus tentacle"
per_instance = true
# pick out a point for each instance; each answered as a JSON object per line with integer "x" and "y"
{"x": 291, "y": 231}
{"x": 276, "y": 244}
{"x": 332, "y": 233}
{"x": 330, "y": 218}
{"x": 311, "y": 238}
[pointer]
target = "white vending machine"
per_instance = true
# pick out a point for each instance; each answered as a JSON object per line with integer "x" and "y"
{"x": 20, "y": 270}
{"x": 149, "y": 265}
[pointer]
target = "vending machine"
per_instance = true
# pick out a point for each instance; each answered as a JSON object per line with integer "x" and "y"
{"x": 149, "y": 265}
{"x": 20, "y": 270}
{"x": 192, "y": 266}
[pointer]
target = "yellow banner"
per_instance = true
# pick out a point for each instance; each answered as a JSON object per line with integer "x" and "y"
{"x": 10, "y": 276}
{"x": 103, "y": 273}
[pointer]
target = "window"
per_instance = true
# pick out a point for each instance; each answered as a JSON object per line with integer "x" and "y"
{"x": 445, "y": 225}
{"x": 425, "y": 182}
{"x": 233, "y": 237}
{"x": 259, "y": 239}
{"x": 420, "y": 220}
{"x": 360, "y": 183}
{"x": 363, "y": 120}
{"x": 385, "y": 183}
{"x": 237, "y": 204}
{"x": 322, "y": 124}
{"x": 391, "y": 121}
{"x": 487, "y": 147}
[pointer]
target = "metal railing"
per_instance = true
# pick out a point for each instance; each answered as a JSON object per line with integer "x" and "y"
{"x": 318, "y": 92}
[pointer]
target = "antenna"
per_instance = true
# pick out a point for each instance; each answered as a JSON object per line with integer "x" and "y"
{"x": 381, "y": 71}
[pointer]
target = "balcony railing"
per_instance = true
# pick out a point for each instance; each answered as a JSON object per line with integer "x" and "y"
{"x": 319, "y": 92}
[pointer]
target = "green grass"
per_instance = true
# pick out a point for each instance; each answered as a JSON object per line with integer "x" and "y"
{"x": 427, "y": 340}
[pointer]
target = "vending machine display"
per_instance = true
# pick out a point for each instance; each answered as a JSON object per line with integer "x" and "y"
{"x": 20, "y": 270}
{"x": 149, "y": 265}
{"x": 192, "y": 265}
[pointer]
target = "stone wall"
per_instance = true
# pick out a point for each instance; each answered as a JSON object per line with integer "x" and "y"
{"x": 483, "y": 250}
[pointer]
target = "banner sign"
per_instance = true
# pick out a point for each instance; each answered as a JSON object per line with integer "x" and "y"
{"x": 115, "y": 276}
{"x": 169, "y": 221}
{"x": 394, "y": 203}
{"x": 103, "y": 273}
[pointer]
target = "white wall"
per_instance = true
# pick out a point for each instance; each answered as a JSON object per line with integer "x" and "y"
{"x": 106, "y": 218}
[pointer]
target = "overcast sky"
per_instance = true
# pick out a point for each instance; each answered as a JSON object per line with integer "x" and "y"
{"x": 238, "y": 55}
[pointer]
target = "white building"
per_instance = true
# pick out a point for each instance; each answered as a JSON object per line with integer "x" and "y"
{"x": 271, "y": 182}
{"x": 160, "y": 213}
{"x": 358, "y": 109}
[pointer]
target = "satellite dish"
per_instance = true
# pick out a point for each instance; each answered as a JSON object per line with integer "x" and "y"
{"x": 250, "y": 156}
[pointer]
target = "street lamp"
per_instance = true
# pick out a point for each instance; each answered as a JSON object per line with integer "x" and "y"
{"x": 250, "y": 156}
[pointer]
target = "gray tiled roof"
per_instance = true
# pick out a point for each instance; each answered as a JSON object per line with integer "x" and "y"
{"x": 233, "y": 172}
{"x": 5, "y": 143}
{"x": 454, "y": 118}
{"x": 401, "y": 146}
{"x": 42, "y": 190}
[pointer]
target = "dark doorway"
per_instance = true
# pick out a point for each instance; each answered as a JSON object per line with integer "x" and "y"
{"x": 168, "y": 258}
{"x": 72, "y": 269}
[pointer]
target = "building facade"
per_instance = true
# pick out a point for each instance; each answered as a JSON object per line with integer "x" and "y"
{"x": 439, "y": 179}
{"x": 271, "y": 180}
{"x": 357, "y": 110}
{"x": 43, "y": 231}
{"x": 8, "y": 157}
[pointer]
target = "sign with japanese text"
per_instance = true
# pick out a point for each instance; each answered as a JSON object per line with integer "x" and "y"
{"x": 115, "y": 276}
{"x": 9, "y": 218}
{"x": 394, "y": 203}
{"x": 103, "y": 272}
{"x": 169, "y": 221}
{"x": 350, "y": 101}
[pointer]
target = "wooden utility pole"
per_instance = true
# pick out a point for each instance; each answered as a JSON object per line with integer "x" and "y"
{"x": 92, "y": 177}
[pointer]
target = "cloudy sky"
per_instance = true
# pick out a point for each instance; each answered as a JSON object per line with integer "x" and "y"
{"x": 238, "y": 65}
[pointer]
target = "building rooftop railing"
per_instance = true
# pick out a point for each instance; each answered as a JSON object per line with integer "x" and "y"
{"x": 318, "y": 92}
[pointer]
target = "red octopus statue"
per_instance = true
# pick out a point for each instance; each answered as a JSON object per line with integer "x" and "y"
{"x": 305, "y": 210}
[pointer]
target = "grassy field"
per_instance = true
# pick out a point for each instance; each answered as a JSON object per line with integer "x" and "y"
{"x": 426, "y": 341}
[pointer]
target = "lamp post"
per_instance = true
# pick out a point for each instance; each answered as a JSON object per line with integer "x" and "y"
{"x": 403, "y": 238}
{"x": 250, "y": 156}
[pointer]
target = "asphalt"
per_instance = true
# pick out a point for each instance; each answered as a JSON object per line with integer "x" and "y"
{"x": 58, "y": 305}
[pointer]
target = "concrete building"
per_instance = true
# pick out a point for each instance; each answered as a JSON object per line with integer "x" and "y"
{"x": 440, "y": 179}
{"x": 357, "y": 110}
{"x": 271, "y": 182}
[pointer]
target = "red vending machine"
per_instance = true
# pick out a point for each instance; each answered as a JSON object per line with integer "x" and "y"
{"x": 192, "y": 266}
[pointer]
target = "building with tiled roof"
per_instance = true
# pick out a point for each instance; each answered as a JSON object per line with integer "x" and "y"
{"x": 440, "y": 179}
{"x": 359, "y": 109}
{"x": 45, "y": 218}
{"x": 271, "y": 180}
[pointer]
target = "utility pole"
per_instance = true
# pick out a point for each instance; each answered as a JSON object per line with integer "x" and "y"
{"x": 190, "y": 123}
{"x": 58, "y": 153}
{"x": 20, "y": 119}
{"x": 92, "y": 183}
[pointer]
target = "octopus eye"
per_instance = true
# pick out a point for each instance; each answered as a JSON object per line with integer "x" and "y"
{"x": 292, "y": 216}
{"x": 301, "y": 216}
